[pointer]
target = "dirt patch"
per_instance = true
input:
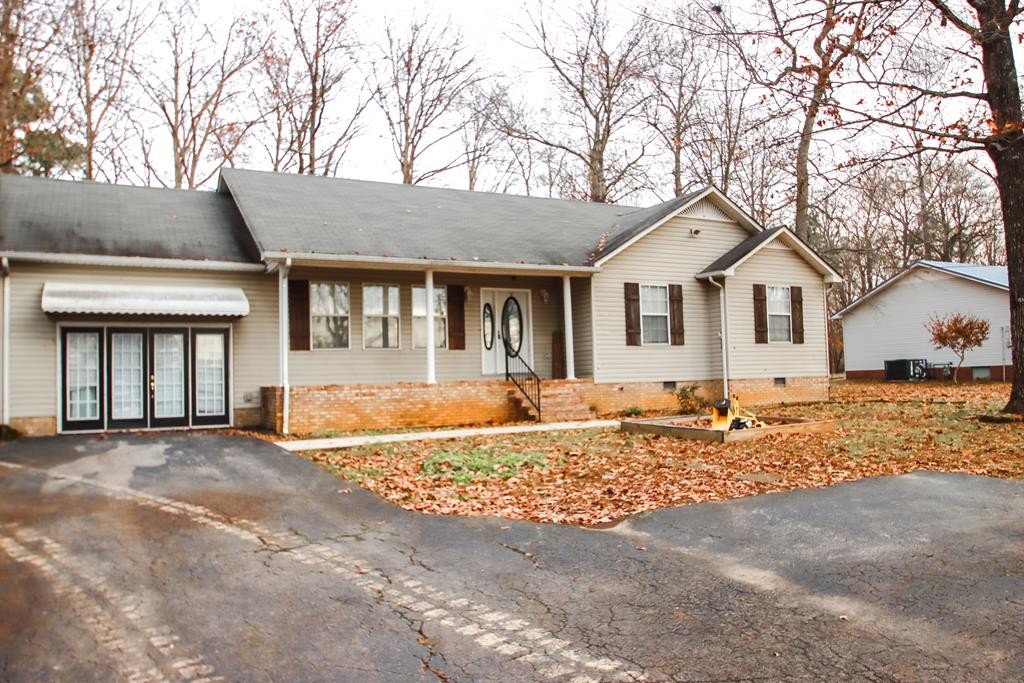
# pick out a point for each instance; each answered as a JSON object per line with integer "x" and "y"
{"x": 598, "y": 476}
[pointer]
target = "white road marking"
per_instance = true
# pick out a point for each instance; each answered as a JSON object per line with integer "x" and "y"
{"x": 133, "y": 665}
{"x": 554, "y": 658}
{"x": 130, "y": 606}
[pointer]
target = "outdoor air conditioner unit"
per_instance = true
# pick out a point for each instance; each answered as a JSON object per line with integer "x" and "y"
{"x": 906, "y": 369}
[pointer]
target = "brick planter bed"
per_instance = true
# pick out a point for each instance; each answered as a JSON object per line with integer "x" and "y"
{"x": 691, "y": 427}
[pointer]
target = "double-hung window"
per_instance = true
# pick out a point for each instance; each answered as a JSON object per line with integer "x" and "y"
{"x": 780, "y": 315}
{"x": 329, "y": 315}
{"x": 419, "y": 317}
{"x": 380, "y": 316}
{"x": 654, "y": 314}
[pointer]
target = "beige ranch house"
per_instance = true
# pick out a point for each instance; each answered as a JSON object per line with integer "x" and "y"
{"x": 305, "y": 304}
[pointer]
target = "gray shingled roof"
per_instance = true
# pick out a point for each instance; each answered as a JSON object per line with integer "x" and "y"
{"x": 737, "y": 253}
{"x": 303, "y": 214}
{"x": 65, "y": 217}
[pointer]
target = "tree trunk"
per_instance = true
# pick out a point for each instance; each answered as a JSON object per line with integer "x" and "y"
{"x": 803, "y": 179}
{"x": 1006, "y": 149}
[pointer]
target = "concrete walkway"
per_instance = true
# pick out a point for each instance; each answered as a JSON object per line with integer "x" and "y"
{"x": 369, "y": 439}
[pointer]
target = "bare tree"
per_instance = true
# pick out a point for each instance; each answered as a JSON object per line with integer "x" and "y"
{"x": 601, "y": 81}
{"x": 423, "y": 73}
{"x": 99, "y": 40}
{"x": 677, "y": 81}
{"x": 798, "y": 51}
{"x": 985, "y": 113}
{"x": 482, "y": 137}
{"x": 197, "y": 89}
{"x": 308, "y": 126}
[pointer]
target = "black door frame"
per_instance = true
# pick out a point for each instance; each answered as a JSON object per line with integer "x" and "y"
{"x": 183, "y": 420}
{"x": 144, "y": 420}
{"x": 205, "y": 420}
{"x": 83, "y": 425}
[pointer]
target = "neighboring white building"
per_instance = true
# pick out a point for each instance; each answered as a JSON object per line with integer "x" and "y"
{"x": 888, "y": 323}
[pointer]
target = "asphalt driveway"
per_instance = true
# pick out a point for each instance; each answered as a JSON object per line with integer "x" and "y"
{"x": 190, "y": 557}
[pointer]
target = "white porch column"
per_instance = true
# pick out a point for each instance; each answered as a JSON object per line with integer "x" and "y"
{"x": 570, "y": 357}
{"x": 283, "y": 340}
{"x": 431, "y": 351}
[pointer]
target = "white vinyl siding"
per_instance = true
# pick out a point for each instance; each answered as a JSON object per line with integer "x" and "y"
{"x": 373, "y": 366}
{"x": 34, "y": 362}
{"x": 780, "y": 314}
{"x": 582, "y": 326}
{"x": 670, "y": 254}
{"x": 891, "y": 325}
{"x": 329, "y": 315}
{"x": 751, "y": 360}
{"x": 654, "y": 314}
{"x": 419, "y": 317}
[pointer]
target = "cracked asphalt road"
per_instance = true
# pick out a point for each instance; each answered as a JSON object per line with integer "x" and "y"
{"x": 171, "y": 557}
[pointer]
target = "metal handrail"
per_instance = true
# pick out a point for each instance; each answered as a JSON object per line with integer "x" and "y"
{"x": 522, "y": 375}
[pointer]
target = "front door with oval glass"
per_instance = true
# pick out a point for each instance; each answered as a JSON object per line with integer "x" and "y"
{"x": 504, "y": 323}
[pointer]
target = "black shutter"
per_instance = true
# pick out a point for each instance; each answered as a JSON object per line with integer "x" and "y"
{"x": 456, "y": 317}
{"x": 760, "y": 314}
{"x": 298, "y": 314}
{"x": 632, "y": 313}
{"x": 675, "y": 315}
{"x": 796, "y": 309}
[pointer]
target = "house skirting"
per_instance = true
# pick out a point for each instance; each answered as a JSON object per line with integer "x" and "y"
{"x": 966, "y": 374}
{"x": 343, "y": 407}
{"x": 47, "y": 426}
{"x": 346, "y": 407}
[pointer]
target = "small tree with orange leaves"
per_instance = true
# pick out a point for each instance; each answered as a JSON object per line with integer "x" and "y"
{"x": 959, "y": 333}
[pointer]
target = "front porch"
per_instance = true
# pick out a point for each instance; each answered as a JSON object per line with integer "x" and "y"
{"x": 362, "y": 350}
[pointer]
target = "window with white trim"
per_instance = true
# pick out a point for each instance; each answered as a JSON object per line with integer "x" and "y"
{"x": 329, "y": 315}
{"x": 654, "y": 324}
{"x": 419, "y": 317}
{"x": 780, "y": 315}
{"x": 381, "y": 319}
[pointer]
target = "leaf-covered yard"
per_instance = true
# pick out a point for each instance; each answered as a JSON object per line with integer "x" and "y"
{"x": 597, "y": 476}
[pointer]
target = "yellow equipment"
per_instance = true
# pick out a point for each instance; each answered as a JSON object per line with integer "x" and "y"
{"x": 727, "y": 414}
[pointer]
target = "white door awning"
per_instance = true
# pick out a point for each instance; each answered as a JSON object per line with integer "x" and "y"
{"x": 131, "y": 299}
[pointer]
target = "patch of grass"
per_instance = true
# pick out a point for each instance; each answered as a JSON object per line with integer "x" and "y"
{"x": 463, "y": 467}
{"x": 633, "y": 411}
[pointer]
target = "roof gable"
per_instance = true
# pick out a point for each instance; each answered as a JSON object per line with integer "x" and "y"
{"x": 727, "y": 263}
{"x": 993, "y": 276}
{"x": 660, "y": 214}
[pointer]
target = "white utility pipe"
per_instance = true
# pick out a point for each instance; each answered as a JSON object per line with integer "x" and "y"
{"x": 5, "y": 340}
{"x": 723, "y": 334}
{"x": 284, "y": 340}
{"x": 570, "y": 356}
{"x": 429, "y": 303}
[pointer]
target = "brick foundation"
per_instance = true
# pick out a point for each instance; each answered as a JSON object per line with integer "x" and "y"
{"x": 248, "y": 417}
{"x": 395, "y": 406}
{"x": 965, "y": 374}
{"x": 390, "y": 406}
{"x": 34, "y": 426}
{"x": 616, "y": 397}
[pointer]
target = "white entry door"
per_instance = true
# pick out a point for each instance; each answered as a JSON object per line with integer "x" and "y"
{"x": 505, "y": 317}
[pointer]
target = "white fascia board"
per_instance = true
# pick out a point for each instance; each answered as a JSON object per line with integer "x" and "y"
{"x": 443, "y": 265}
{"x": 131, "y": 262}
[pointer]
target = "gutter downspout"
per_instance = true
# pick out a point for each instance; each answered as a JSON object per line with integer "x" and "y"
{"x": 284, "y": 340}
{"x": 5, "y": 340}
{"x": 723, "y": 334}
